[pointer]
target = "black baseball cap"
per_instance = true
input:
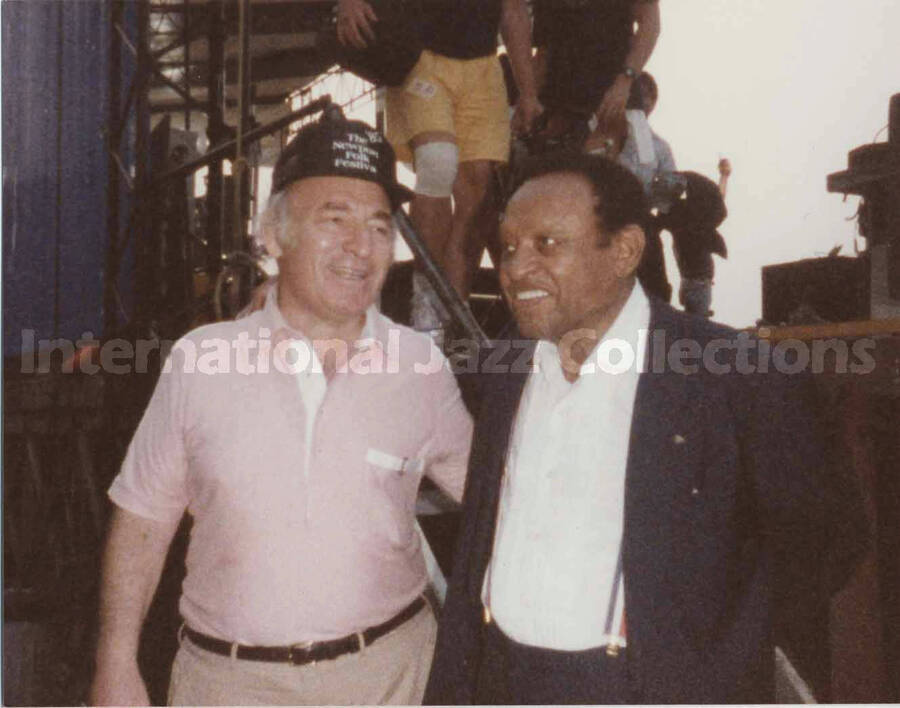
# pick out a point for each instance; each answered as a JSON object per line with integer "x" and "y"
{"x": 336, "y": 147}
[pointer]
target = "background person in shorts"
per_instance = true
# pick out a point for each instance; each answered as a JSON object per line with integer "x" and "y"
{"x": 450, "y": 119}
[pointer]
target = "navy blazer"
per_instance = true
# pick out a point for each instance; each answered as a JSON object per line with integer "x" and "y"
{"x": 726, "y": 522}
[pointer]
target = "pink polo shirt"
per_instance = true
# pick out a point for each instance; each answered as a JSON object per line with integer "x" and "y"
{"x": 302, "y": 492}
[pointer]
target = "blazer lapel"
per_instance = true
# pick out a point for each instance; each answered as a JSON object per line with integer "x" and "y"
{"x": 659, "y": 435}
{"x": 659, "y": 406}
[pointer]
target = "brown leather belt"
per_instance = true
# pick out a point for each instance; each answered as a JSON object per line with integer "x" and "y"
{"x": 306, "y": 652}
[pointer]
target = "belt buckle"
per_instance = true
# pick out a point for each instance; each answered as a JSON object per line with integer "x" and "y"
{"x": 614, "y": 646}
{"x": 612, "y": 649}
{"x": 301, "y": 659}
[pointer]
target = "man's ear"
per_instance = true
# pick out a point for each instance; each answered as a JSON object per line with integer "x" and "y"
{"x": 630, "y": 241}
{"x": 270, "y": 240}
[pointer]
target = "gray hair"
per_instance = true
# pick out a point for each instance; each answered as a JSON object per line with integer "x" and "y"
{"x": 275, "y": 216}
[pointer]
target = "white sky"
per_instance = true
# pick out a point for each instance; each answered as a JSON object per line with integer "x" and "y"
{"x": 784, "y": 89}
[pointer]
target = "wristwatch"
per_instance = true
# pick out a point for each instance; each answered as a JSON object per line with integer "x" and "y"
{"x": 630, "y": 73}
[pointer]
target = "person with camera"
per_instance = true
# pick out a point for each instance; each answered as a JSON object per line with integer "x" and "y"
{"x": 629, "y": 139}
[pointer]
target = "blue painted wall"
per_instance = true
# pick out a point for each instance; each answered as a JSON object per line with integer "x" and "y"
{"x": 55, "y": 100}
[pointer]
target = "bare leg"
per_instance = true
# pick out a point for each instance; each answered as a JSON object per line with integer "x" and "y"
{"x": 487, "y": 224}
{"x": 470, "y": 195}
{"x": 432, "y": 216}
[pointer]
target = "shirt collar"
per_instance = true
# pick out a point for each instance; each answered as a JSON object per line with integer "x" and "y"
{"x": 633, "y": 317}
{"x": 368, "y": 336}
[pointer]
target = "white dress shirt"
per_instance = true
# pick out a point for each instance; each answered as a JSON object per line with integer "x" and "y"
{"x": 559, "y": 527}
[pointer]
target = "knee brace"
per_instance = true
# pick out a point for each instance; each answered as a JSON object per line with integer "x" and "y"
{"x": 436, "y": 166}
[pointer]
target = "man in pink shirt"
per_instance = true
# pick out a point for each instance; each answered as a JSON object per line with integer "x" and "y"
{"x": 296, "y": 438}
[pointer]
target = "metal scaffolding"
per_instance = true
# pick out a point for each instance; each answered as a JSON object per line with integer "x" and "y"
{"x": 192, "y": 68}
{"x": 177, "y": 68}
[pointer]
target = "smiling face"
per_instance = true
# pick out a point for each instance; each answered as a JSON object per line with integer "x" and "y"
{"x": 559, "y": 271}
{"x": 340, "y": 244}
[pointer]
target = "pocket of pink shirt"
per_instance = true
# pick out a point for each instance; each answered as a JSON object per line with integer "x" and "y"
{"x": 394, "y": 482}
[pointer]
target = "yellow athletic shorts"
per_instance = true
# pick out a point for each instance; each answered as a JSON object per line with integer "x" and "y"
{"x": 465, "y": 97}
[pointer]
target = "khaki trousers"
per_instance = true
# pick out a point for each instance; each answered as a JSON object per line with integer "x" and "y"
{"x": 392, "y": 671}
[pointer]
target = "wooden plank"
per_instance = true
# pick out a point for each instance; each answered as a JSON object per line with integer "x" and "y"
{"x": 863, "y": 328}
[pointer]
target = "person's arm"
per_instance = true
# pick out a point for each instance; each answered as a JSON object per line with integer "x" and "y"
{"x": 447, "y": 452}
{"x": 515, "y": 28}
{"x": 540, "y": 29}
{"x": 132, "y": 562}
{"x": 258, "y": 297}
{"x": 539, "y": 68}
{"x": 646, "y": 15}
{"x": 354, "y": 23}
{"x": 724, "y": 174}
{"x": 150, "y": 496}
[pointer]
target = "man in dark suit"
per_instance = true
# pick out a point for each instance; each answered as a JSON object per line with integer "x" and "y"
{"x": 647, "y": 499}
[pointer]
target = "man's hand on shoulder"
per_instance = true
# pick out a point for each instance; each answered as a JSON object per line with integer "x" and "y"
{"x": 258, "y": 297}
{"x": 354, "y": 23}
{"x": 119, "y": 685}
{"x": 607, "y": 138}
